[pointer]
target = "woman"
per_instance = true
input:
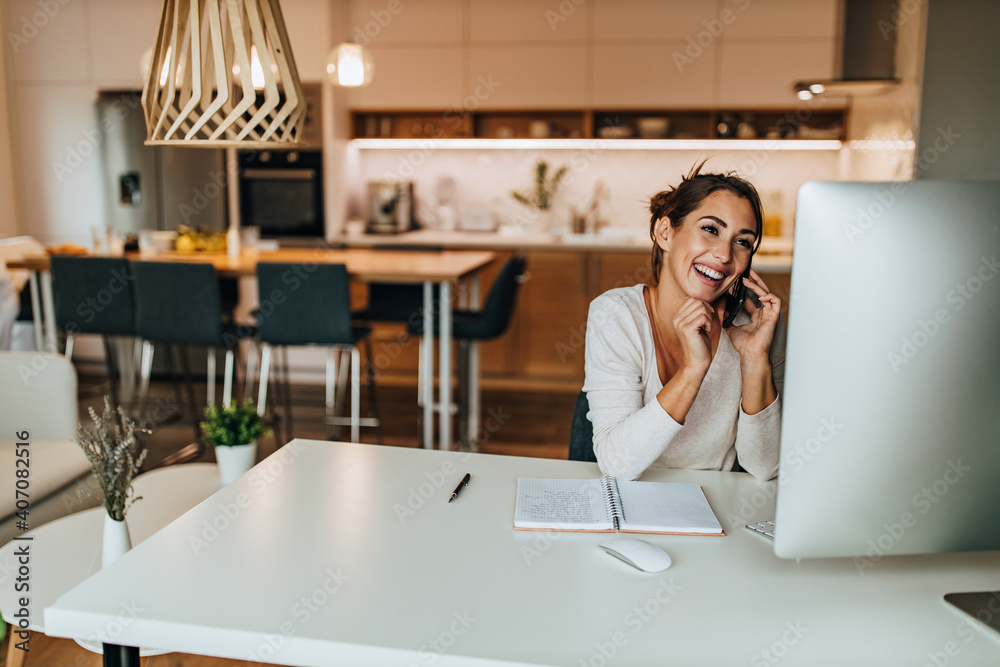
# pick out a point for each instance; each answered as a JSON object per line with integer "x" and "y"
{"x": 668, "y": 384}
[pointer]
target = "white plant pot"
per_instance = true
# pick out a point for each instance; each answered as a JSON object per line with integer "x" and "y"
{"x": 234, "y": 461}
{"x": 116, "y": 540}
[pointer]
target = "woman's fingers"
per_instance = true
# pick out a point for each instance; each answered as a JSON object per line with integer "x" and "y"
{"x": 760, "y": 281}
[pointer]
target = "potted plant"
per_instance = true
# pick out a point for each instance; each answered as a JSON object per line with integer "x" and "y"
{"x": 113, "y": 451}
{"x": 541, "y": 197}
{"x": 233, "y": 431}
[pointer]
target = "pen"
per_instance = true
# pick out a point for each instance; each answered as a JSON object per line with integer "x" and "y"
{"x": 464, "y": 482}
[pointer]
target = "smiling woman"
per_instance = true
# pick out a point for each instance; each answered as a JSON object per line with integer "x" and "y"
{"x": 686, "y": 372}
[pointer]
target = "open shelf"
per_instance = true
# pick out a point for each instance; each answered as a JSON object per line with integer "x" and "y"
{"x": 606, "y": 124}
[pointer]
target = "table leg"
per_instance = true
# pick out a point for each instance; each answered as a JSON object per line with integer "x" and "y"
{"x": 121, "y": 656}
{"x": 36, "y": 311}
{"x": 49, "y": 312}
{"x": 427, "y": 362}
{"x": 444, "y": 391}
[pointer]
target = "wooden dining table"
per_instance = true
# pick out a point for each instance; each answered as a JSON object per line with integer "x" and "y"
{"x": 445, "y": 268}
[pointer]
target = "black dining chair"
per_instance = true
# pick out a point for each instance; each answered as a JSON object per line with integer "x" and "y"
{"x": 94, "y": 295}
{"x": 469, "y": 326}
{"x": 316, "y": 311}
{"x": 179, "y": 303}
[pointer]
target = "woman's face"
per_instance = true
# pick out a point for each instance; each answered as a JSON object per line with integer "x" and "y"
{"x": 711, "y": 249}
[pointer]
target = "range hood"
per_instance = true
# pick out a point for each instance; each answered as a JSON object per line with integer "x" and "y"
{"x": 867, "y": 52}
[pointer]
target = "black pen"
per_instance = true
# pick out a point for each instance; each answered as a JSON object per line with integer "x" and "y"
{"x": 464, "y": 482}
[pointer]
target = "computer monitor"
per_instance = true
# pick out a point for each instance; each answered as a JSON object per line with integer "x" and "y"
{"x": 890, "y": 439}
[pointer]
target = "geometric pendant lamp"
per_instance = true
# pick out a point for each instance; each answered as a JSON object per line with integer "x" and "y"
{"x": 222, "y": 74}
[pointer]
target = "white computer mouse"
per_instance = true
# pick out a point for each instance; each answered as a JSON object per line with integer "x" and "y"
{"x": 640, "y": 554}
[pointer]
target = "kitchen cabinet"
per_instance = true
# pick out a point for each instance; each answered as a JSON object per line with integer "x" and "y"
{"x": 412, "y": 77}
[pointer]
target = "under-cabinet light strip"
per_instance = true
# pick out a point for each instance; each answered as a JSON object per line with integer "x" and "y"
{"x": 604, "y": 144}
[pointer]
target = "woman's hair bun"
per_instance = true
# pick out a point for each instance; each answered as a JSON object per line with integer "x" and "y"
{"x": 659, "y": 204}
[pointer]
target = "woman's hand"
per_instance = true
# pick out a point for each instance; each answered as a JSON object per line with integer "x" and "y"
{"x": 695, "y": 321}
{"x": 753, "y": 339}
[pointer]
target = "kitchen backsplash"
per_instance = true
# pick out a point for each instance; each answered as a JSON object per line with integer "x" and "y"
{"x": 485, "y": 178}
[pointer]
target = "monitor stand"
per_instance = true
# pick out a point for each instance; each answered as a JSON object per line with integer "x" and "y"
{"x": 983, "y": 606}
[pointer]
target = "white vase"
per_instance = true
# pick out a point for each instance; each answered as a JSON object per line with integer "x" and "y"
{"x": 234, "y": 461}
{"x": 116, "y": 540}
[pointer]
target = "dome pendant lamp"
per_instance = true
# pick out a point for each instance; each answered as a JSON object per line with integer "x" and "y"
{"x": 222, "y": 74}
{"x": 350, "y": 65}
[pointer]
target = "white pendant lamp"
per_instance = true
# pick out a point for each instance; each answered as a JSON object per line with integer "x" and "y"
{"x": 350, "y": 65}
{"x": 222, "y": 74}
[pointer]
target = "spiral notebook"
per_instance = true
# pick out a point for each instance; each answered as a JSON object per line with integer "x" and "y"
{"x": 609, "y": 505}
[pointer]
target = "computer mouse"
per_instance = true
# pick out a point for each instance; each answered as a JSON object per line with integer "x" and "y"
{"x": 640, "y": 554}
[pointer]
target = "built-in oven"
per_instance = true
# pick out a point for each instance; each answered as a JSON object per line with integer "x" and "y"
{"x": 281, "y": 192}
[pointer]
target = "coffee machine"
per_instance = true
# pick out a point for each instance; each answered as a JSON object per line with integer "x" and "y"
{"x": 390, "y": 206}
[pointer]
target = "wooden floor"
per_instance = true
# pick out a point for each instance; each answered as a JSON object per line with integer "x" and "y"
{"x": 520, "y": 423}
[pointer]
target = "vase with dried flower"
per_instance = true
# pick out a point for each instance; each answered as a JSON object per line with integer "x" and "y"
{"x": 115, "y": 457}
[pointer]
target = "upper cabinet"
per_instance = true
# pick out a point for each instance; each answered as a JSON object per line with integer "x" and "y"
{"x": 532, "y": 54}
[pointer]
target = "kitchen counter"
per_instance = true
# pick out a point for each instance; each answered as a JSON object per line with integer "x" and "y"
{"x": 774, "y": 256}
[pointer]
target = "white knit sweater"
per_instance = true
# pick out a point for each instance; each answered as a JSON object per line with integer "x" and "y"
{"x": 632, "y": 431}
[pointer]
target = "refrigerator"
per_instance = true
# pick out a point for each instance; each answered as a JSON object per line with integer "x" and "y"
{"x": 155, "y": 187}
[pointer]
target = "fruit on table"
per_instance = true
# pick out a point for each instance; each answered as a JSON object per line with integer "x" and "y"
{"x": 195, "y": 240}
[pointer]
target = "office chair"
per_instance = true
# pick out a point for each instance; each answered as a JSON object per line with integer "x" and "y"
{"x": 581, "y": 433}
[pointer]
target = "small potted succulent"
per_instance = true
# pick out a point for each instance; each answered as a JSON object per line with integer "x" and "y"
{"x": 115, "y": 457}
{"x": 233, "y": 431}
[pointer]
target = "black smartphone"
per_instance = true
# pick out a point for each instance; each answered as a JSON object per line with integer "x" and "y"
{"x": 735, "y": 300}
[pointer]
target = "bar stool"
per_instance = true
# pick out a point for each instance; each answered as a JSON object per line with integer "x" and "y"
{"x": 179, "y": 303}
{"x": 310, "y": 306}
{"x": 480, "y": 325}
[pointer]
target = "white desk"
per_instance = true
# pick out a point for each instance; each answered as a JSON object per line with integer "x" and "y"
{"x": 314, "y": 559}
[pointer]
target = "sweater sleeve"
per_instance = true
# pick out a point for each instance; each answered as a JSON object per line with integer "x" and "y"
{"x": 628, "y": 435}
{"x": 758, "y": 436}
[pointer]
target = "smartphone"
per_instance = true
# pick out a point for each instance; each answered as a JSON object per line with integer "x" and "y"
{"x": 735, "y": 299}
